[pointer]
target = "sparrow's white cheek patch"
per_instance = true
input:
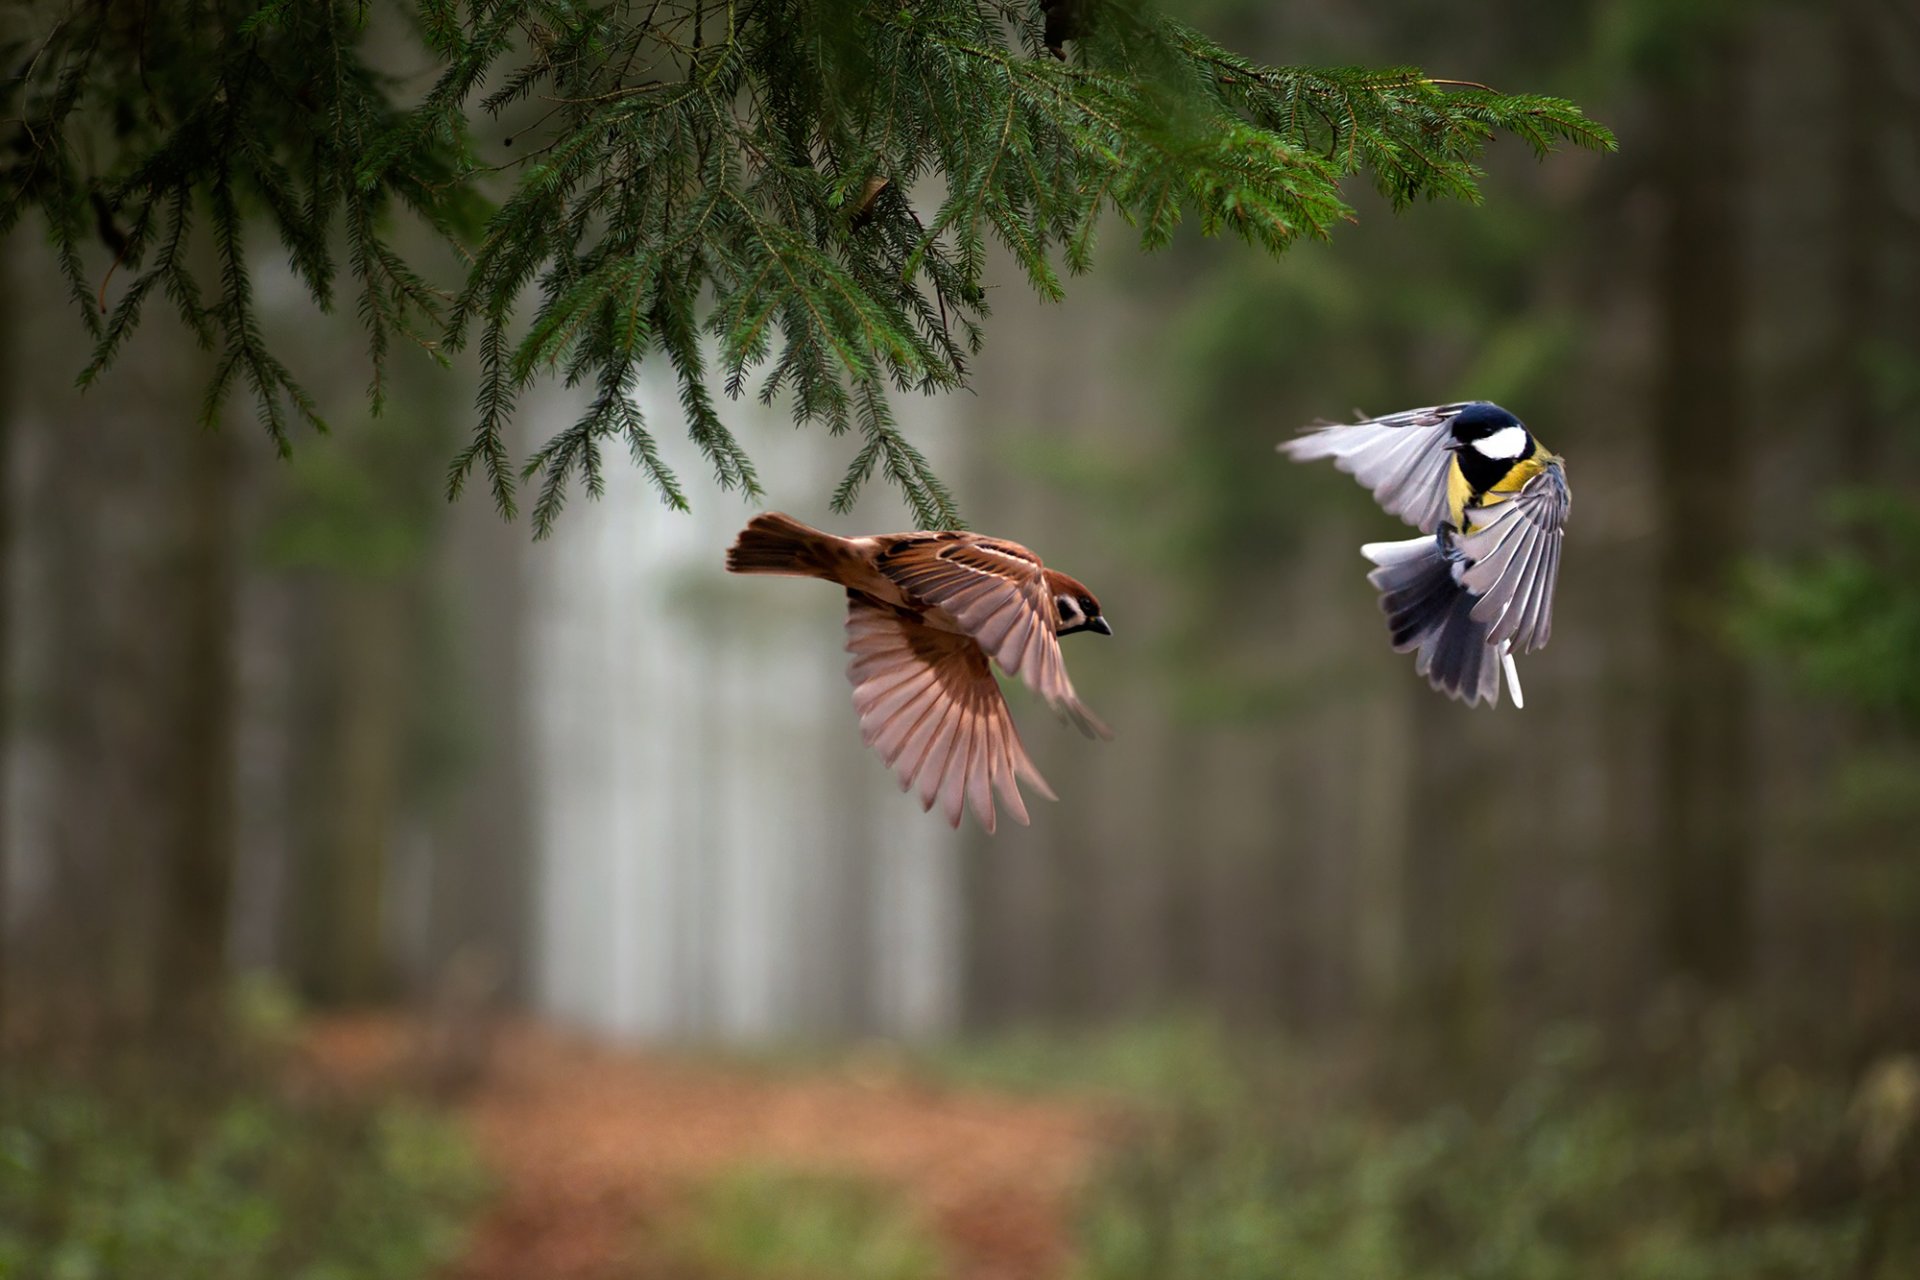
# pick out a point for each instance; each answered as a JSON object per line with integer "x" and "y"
{"x": 1507, "y": 442}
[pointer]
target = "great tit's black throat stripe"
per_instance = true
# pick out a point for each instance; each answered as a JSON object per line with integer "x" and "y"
{"x": 1482, "y": 472}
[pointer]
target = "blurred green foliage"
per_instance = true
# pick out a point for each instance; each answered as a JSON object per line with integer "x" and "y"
{"x": 362, "y": 511}
{"x": 365, "y": 503}
{"x": 1848, "y": 620}
{"x": 145, "y": 1181}
{"x": 772, "y": 1224}
{"x": 1180, "y": 1061}
{"x": 1713, "y": 1159}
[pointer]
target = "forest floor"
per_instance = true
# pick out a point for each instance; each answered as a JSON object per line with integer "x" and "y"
{"x": 595, "y": 1151}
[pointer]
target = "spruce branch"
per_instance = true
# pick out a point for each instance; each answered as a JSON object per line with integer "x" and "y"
{"x": 789, "y": 199}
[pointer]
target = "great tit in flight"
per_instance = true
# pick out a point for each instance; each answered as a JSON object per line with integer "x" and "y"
{"x": 1491, "y": 505}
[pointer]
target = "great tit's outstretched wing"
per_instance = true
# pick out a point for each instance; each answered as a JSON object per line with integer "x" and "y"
{"x": 1511, "y": 558}
{"x": 1402, "y": 458}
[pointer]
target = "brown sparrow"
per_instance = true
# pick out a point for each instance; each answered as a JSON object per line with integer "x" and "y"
{"x": 924, "y": 613}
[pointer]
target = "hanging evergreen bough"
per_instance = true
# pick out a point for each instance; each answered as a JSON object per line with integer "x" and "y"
{"x": 811, "y": 184}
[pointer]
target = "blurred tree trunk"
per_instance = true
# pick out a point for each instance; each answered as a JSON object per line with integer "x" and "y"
{"x": 1865, "y": 207}
{"x": 483, "y": 875}
{"x": 308, "y": 907}
{"x": 132, "y": 667}
{"x": 1700, "y": 483}
{"x": 365, "y": 737}
{"x": 1384, "y": 856}
{"x": 9, "y": 407}
{"x": 196, "y": 815}
{"x": 1879, "y": 122}
{"x": 92, "y": 879}
{"x": 369, "y": 680}
{"x": 1453, "y": 898}
{"x": 353, "y": 726}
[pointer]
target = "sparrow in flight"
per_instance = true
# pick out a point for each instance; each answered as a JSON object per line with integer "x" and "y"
{"x": 1491, "y": 505}
{"x": 925, "y": 611}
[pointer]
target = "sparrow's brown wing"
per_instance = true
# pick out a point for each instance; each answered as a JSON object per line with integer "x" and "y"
{"x": 997, "y": 592}
{"x": 1402, "y": 458}
{"x": 930, "y": 706}
{"x": 1512, "y": 560}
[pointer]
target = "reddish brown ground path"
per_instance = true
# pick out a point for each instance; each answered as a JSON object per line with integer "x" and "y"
{"x": 590, "y": 1144}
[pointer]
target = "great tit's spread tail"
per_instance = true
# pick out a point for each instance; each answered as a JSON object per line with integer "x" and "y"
{"x": 1430, "y": 611}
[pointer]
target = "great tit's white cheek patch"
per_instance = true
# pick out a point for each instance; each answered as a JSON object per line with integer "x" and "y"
{"x": 1505, "y": 443}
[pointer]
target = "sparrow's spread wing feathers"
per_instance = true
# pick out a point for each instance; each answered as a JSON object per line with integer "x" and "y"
{"x": 928, "y": 703}
{"x": 1402, "y": 458}
{"x": 1512, "y": 559}
{"x": 997, "y": 593}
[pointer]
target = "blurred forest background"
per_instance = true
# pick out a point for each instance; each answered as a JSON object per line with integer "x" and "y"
{"x": 1626, "y": 984}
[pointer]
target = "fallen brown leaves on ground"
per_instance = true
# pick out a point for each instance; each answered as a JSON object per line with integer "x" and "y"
{"x": 591, "y": 1143}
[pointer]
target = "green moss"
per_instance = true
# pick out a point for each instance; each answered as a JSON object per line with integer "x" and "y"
{"x": 772, "y": 1224}
{"x": 1714, "y": 1162}
{"x": 113, "y": 1182}
{"x": 1184, "y": 1060}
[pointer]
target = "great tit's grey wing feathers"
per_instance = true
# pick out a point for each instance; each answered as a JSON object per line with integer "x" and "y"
{"x": 1538, "y": 620}
{"x": 1503, "y": 555}
{"x": 997, "y": 592}
{"x": 1511, "y": 559}
{"x": 1402, "y": 458}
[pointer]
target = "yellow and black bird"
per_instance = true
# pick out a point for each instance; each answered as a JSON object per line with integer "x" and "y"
{"x": 1491, "y": 504}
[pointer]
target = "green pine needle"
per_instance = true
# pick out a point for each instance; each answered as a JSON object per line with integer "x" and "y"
{"x": 782, "y": 198}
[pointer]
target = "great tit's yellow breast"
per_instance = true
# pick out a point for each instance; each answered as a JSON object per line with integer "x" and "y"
{"x": 1516, "y": 478}
{"x": 1459, "y": 494}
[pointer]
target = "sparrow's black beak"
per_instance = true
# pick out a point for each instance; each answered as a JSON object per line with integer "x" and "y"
{"x": 1100, "y": 625}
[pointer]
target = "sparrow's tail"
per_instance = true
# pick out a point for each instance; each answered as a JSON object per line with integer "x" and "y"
{"x": 776, "y": 543}
{"x": 1430, "y": 611}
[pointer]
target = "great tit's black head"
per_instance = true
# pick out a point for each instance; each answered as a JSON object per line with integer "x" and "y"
{"x": 1491, "y": 432}
{"x": 1077, "y": 608}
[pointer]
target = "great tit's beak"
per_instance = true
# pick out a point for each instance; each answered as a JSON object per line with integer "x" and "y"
{"x": 1100, "y": 625}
